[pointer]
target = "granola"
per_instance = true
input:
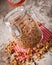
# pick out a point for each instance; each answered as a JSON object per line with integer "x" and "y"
{"x": 30, "y": 33}
{"x": 40, "y": 50}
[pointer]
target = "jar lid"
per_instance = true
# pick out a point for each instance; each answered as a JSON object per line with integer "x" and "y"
{"x": 15, "y": 2}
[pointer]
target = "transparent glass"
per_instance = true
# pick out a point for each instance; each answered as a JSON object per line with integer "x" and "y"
{"x": 23, "y": 27}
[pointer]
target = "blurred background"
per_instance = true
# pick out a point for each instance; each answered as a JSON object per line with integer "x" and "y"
{"x": 43, "y": 7}
{"x": 4, "y": 7}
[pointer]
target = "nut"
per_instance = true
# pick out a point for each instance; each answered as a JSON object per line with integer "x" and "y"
{"x": 9, "y": 48}
{"x": 38, "y": 55}
{"x": 32, "y": 59}
{"x": 14, "y": 62}
{"x": 39, "y": 46}
{"x": 28, "y": 59}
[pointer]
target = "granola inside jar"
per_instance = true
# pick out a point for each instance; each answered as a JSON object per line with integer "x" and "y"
{"x": 25, "y": 30}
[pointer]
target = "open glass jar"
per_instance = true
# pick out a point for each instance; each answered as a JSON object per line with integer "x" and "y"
{"x": 23, "y": 27}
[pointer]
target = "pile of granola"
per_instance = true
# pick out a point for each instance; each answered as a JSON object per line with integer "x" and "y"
{"x": 40, "y": 50}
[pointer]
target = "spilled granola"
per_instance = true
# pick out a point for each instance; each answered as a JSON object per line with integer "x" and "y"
{"x": 40, "y": 50}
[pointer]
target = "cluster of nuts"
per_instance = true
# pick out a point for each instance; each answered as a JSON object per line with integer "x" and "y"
{"x": 10, "y": 48}
{"x": 41, "y": 49}
{"x": 14, "y": 62}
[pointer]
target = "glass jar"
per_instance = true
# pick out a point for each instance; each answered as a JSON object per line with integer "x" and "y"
{"x": 23, "y": 27}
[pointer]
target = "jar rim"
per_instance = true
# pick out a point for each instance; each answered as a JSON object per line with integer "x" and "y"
{"x": 15, "y": 12}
